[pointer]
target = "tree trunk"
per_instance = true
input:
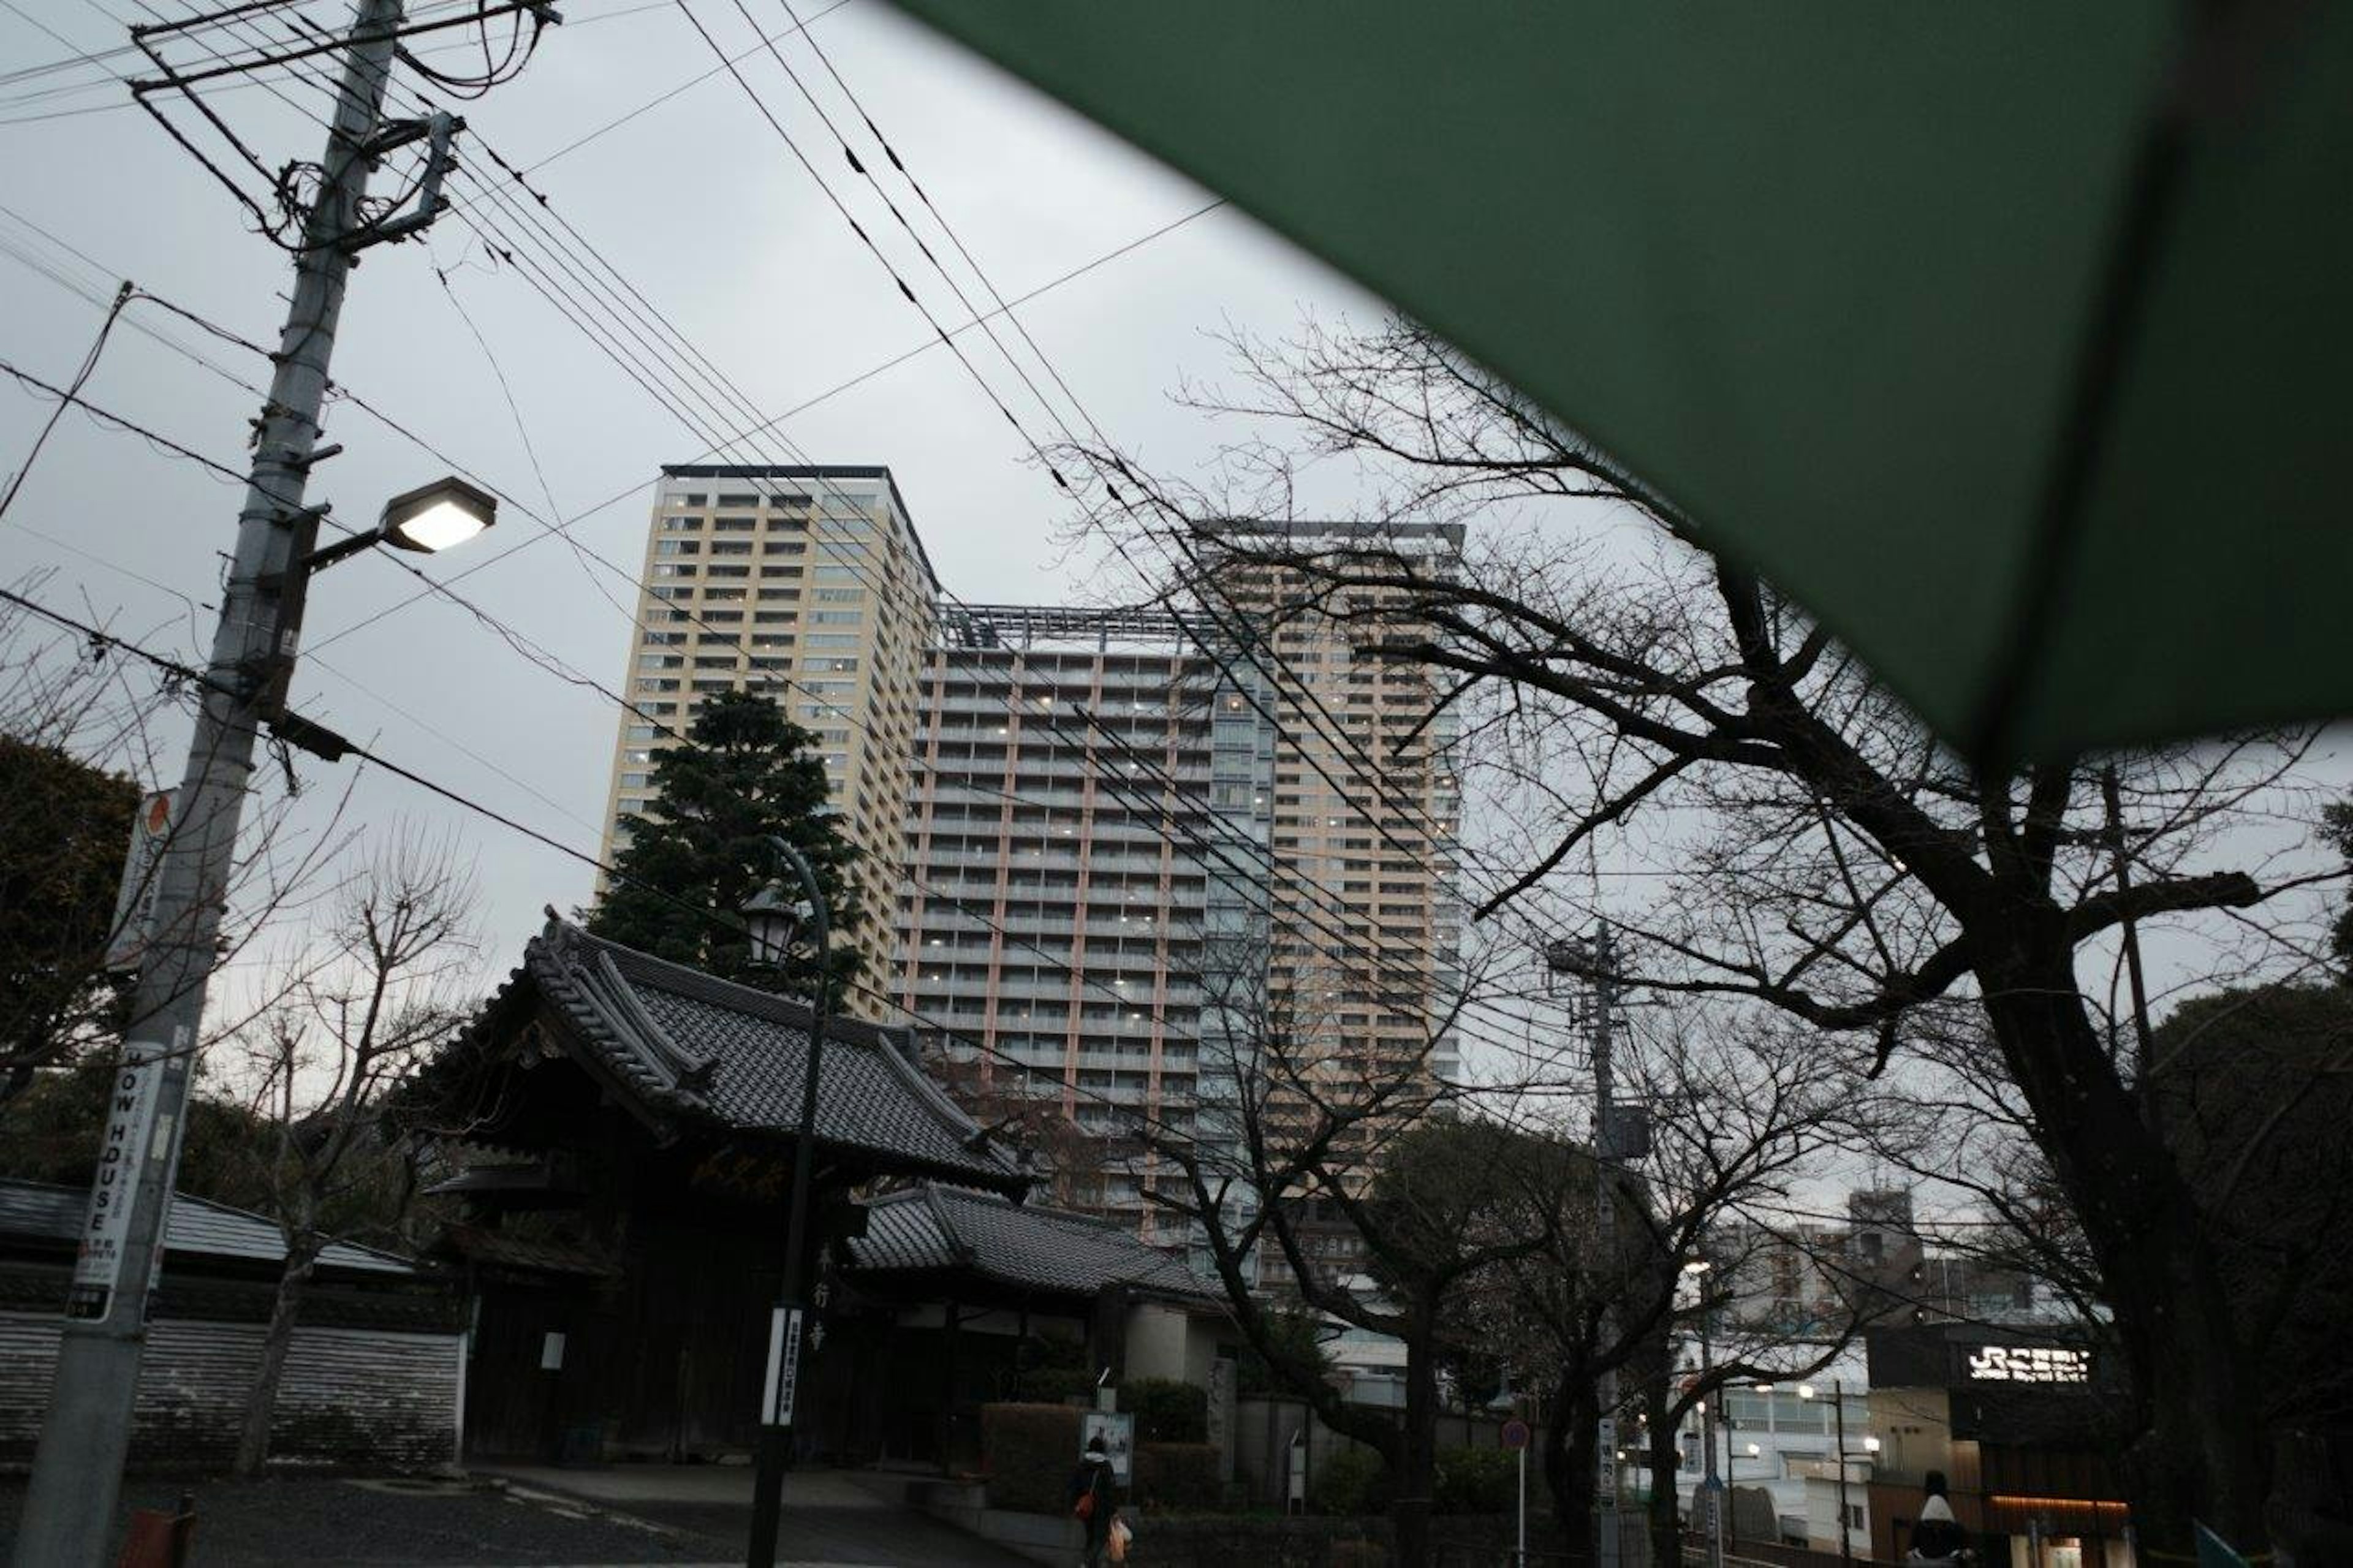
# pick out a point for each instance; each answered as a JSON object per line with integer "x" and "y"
{"x": 1571, "y": 1465}
{"x": 2202, "y": 1452}
{"x": 1416, "y": 1477}
{"x": 1665, "y": 1513}
{"x": 293, "y": 1280}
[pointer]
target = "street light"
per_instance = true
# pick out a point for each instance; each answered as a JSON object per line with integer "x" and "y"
{"x": 1711, "y": 1489}
{"x": 1870, "y": 1444}
{"x": 773, "y": 922}
{"x": 85, "y": 1429}
{"x": 429, "y": 518}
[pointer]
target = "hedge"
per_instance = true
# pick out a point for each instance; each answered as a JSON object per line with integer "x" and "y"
{"x": 1166, "y": 1411}
{"x": 1178, "y": 1476}
{"x": 1030, "y": 1452}
{"x": 1477, "y": 1480}
{"x": 1352, "y": 1481}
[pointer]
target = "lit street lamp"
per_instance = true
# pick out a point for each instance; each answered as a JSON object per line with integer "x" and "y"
{"x": 773, "y": 922}
{"x": 429, "y": 520}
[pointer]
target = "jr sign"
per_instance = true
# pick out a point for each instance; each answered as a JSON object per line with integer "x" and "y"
{"x": 2029, "y": 1363}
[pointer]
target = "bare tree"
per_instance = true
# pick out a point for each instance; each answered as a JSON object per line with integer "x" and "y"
{"x": 1822, "y": 853}
{"x": 81, "y": 725}
{"x": 1739, "y": 1112}
{"x": 328, "y": 1063}
{"x": 1305, "y": 1140}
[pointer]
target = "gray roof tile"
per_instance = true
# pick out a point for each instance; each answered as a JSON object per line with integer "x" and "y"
{"x": 690, "y": 1044}
{"x": 935, "y": 1227}
{"x": 197, "y": 1227}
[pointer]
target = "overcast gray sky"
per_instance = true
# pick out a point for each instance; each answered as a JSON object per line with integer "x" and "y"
{"x": 700, "y": 204}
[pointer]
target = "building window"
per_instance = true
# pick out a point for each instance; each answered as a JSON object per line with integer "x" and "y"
{"x": 838, "y": 617}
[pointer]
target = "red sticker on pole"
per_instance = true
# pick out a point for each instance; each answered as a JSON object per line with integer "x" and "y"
{"x": 1516, "y": 1433}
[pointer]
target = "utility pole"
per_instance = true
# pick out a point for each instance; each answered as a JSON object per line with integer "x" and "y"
{"x": 1598, "y": 960}
{"x": 86, "y": 1434}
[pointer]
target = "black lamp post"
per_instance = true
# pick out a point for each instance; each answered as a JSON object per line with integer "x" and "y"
{"x": 773, "y": 922}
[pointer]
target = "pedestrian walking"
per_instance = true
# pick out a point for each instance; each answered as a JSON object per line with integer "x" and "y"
{"x": 1094, "y": 1502}
{"x": 1937, "y": 1541}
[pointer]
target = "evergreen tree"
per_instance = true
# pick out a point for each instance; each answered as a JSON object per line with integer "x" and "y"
{"x": 748, "y": 776}
{"x": 64, "y": 827}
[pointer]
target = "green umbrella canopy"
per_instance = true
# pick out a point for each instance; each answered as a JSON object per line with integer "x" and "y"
{"x": 2012, "y": 339}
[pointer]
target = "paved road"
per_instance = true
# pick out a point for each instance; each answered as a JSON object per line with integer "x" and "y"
{"x": 683, "y": 1515}
{"x": 829, "y": 1517}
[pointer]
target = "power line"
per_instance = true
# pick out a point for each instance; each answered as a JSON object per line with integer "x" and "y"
{"x": 82, "y": 376}
{"x": 690, "y": 422}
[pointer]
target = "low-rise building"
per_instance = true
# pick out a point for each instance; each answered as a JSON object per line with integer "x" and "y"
{"x": 375, "y": 1378}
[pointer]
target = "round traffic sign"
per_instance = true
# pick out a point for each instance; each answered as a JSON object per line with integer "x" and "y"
{"x": 1516, "y": 1433}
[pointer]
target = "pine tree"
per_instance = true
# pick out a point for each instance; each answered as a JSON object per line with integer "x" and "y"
{"x": 702, "y": 848}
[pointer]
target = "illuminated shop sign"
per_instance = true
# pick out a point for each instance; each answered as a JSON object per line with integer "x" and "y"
{"x": 2029, "y": 1363}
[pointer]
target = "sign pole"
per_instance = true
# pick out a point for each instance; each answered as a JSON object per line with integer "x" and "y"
{"x": 1523, "y": 1551}
{"x": 1515, "y": 1435}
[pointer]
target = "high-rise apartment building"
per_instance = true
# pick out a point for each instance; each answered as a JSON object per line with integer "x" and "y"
{"x": 810, "y": 584}
{"x": 1142, "y": 843}
{"x": 1051, "y": 925}
{"x": 1099, "y": 849}
{"x": 1366, "y": 922}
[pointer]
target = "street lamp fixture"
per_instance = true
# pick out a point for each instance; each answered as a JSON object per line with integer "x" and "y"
{"x": 1870, "y": 1445}
{"x": 427, "y": 520}
{"x": 1754, "y": 1451}
{"x": 1805, "y": 1390}
{"x": 1697, "y": 1266}
{"x": 773, "y": 921}
{"x": 438, "y": 516}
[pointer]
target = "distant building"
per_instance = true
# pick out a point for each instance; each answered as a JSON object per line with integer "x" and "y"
{"x": 1366, "y": 922}
{"x": 1809, "y": 1278}
{"x": 1060, "y": 867}
{"x": 1101, "y": 848}
{"x": 808, "y": 582}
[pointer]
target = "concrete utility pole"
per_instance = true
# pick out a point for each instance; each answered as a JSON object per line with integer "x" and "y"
{"x": 1598, "y": 960}
{"x": 86, "y": 1434}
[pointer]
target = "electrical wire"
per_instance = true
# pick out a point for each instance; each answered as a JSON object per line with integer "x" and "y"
{"x": 903, "y": 289}
{"x": 81, "y": 376}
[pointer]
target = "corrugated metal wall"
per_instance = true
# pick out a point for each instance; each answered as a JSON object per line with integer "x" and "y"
{"x": 357, "y": 1397}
